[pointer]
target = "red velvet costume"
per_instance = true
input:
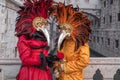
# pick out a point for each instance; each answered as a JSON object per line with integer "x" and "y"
{"x": 30, "y": 58}
{"x": 31, "y": 43}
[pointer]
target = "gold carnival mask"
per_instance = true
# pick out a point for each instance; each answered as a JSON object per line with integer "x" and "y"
{"x": 39, "y": 22}
{"x": 66, "y": 27}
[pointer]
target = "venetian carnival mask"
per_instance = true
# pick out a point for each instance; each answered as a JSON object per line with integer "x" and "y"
{"x": 39, "y": 22}
{"x": 66, "y": 31}
{"x": 74, "y": 24}
{"x": 40, "y": 25}
{"x": 34, "y": 13}
{"x": 67, "y": 28}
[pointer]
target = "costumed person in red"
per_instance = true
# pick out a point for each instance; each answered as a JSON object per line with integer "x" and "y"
{"x": 33, "y": 41}
{"x": 73, "y": 42}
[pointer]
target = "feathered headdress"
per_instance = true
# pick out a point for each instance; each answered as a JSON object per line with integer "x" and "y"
{"x": 30, "y": 16}
{"x": 72, "y": 22}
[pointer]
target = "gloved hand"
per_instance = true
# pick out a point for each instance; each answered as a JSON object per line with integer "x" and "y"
{"x": 52, "y": 58}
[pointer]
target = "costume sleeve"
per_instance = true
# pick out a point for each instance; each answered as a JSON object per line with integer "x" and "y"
{"x": 81, "y": 62}
{"x": 25, "y": 53}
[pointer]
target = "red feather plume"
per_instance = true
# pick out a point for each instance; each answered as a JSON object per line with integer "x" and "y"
{"x": 31, "y": 10}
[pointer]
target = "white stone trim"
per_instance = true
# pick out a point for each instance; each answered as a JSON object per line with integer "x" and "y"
{"x": 14, "y": 61}
{"x": 105, "y": 61}
{"x": 108, "y": 67}
{"x": 18, "y": 2}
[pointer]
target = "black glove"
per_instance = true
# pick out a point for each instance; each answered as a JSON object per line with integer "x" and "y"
{"x": 51, "y": 59}
{"x": 43, "y": 60}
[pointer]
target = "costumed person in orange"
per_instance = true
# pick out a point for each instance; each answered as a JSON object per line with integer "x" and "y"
{"x": 73, "y": 42}
{"x": 33, "y": 41}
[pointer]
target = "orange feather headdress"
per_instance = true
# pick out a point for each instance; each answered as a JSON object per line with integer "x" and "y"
{"x": 77, "y": 23}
